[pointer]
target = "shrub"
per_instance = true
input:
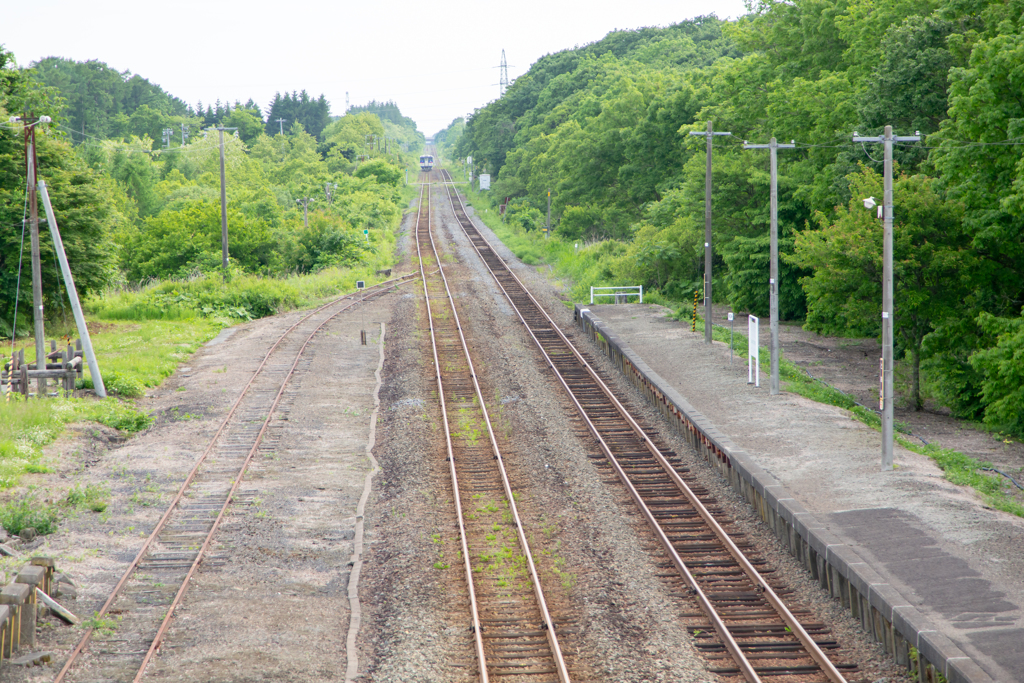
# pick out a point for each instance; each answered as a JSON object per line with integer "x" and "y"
{"x": 27, "y": 512}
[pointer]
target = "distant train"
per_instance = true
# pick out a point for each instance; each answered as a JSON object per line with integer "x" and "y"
{"x": 426, "y": 162}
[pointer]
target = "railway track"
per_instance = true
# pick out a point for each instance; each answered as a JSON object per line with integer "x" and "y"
{"x": 514, "y": 635}
{"x": 143, "y": 601}
{"x": 744, "y": 627}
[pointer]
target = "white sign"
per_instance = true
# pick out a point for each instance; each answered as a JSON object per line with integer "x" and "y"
{"x": 485, "y": 181}
{"x": 753, "y": 353}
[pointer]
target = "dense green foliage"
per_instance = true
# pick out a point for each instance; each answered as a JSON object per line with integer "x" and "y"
{"x": 102, "y": 102}
{"x": 132, "y": 208}
{"x": 299, "y": 108}
{"x": 605, "y": 129}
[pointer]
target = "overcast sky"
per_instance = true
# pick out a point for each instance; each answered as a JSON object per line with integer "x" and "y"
{"x": 436, "y": 60}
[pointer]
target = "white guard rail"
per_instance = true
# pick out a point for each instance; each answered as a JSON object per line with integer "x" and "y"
{"x": 618, "y": 292}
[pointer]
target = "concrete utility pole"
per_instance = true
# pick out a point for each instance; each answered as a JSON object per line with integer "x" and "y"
{"x": 773, "y": 277}
{"x": 888, "y": 313}
{"x": 223, "y": 203}
{"x": 280, "y": 124}
{"x": 167, "y": 137}
{"x": 305, "y": 209}
{"x": 547, "y": 228}
{"x": 184, "y": 134}
{"x": 710, "y": 134}
{"x": 69, "y": 283}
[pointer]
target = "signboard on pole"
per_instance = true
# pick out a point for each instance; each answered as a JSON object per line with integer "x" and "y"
{"x": 753, "y": 354}
{"x": 485, "y": 181}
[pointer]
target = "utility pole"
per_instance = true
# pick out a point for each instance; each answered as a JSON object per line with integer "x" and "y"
{"x": 280, "y": 124}
{"x": 167, "y": 137}
{"x": 223, "y": 203}
{"x": 773, "y": 277}
{"x": 547, "y": 227}
{"x": 888, "y": 313}
{"x": 31, "y": 164}
{"x": 330, "y": 187}
{"x": 184, "y": 134}
{"x": 710, "y": 134}
{"x": 305, "y": 209}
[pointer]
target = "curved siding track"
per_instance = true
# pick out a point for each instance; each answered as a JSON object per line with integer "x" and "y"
{"x": 179, "y": 543}
{"x": 745, "y": 628}
{"x": 515, "y": 636}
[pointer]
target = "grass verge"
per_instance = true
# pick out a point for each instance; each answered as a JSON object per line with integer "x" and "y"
{"x": 957, "y": 467}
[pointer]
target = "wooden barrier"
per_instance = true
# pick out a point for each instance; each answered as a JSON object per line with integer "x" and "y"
{"x": 64, "y": 365}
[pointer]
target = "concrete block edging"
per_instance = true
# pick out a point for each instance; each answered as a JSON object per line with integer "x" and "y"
{"x": 883, "y": 611}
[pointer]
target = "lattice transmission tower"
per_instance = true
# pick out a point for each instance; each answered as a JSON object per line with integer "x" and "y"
{"x": 503, "y": 80}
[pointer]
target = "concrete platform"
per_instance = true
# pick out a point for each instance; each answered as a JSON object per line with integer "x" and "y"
{"x": 924, "y": 565}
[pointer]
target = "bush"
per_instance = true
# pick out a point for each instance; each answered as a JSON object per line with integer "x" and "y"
{"x": 27, "y": 512}
{"x": 121, "y": 416}
{"x": 123, "y": 385}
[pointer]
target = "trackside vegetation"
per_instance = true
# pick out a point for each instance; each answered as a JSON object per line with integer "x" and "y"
{"x": 605, "y": 129}
{"x": 134, "y": 176}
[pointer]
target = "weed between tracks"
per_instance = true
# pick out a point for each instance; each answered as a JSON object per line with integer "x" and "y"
{"x": 500, "y": 560}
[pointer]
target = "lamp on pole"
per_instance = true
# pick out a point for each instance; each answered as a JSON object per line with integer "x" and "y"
{"x": 888, "y": 314}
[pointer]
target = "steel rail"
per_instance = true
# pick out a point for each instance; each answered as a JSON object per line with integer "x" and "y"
{"x": 813, "y": 650}
{"x": 475, "y": 613}
{"x": 161, "y": 524}
{"x": 549, "y": 626}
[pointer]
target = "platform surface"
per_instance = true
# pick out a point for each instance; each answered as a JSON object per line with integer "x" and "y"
{"x": 955, "y": 560}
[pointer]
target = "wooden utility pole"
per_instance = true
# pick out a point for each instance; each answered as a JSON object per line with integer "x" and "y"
{"x": 773, "y": 276}
{"x": 29, "y": 122}
{"x": 708, "y": 253}
{"x": 888, "y": 313}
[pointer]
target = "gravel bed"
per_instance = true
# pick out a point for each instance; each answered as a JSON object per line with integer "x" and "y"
{"x": 857, "y": 645}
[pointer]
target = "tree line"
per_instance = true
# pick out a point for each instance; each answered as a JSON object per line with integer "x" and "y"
{"x": 133, "y": 208}
{"x": 605, "y": 128}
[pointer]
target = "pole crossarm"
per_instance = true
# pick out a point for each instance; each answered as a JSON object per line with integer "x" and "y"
{"x": 778, "y": 145}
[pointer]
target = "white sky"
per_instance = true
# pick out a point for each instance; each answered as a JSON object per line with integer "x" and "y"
{"x": 436, "y": 60}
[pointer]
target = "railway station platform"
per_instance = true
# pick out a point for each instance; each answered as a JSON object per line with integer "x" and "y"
{"x": 927, "y": 568}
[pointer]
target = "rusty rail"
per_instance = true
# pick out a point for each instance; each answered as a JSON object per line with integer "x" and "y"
{"x": 537, "y": 322}
{"x": 425, "y": 237}
{"x": 154, "y": 646}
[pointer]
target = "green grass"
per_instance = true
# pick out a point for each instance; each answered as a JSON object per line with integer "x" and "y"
{"x": 93, "y": 497}
{"x": 958, "y": 468}
{"x": 27, "y": 512}
{"x": 141, "y": 335}
{"x": 577, "y": 268}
